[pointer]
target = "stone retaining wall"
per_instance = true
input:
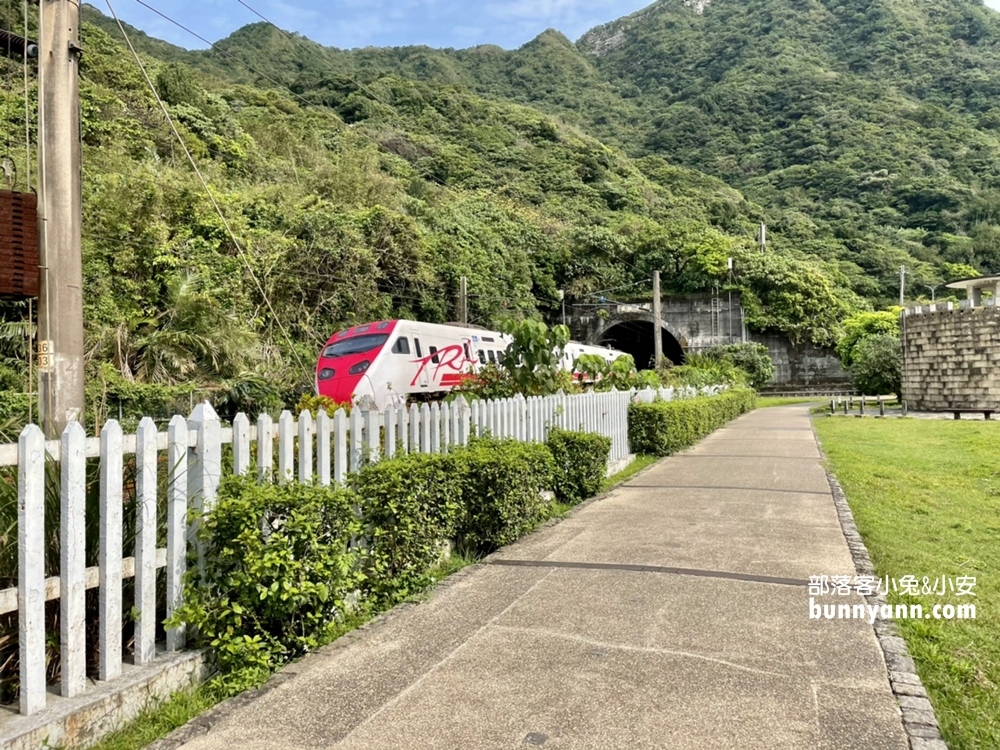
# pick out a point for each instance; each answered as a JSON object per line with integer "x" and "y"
{"x": 951, "y": 357}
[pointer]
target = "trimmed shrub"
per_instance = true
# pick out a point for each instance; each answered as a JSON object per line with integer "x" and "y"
{"x": 409, "y": 504}
{"x": 581, "y": 463}
{"x": 277, "y": 571}
{"x": 503, "y": 482}
{"x": 665, "y": 427}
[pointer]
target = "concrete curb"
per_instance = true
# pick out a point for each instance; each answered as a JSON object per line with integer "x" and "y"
{"x": 915, "y": 708}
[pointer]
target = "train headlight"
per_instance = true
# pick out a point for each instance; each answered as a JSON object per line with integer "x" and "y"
{"x": 326, "y": 373}
{"x": 360, "y": 367}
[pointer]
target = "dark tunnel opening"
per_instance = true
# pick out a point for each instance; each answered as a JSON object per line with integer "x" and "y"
{"x": 636, "y": 338}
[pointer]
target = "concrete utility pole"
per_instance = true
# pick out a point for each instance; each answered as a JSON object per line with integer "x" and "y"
{"x": 60, "y": 312}
{"x": 463, "y": 301}
{"x": 902, "y": 284}
{"x": 657, "y": 321}
{"x": 762, "y": 237}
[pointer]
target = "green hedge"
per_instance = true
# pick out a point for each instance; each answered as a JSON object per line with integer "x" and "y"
{"x": 503, "y": 485}
{"x": 409, "y": 505}
{"x": 581, "y": 463}
{"x": 665, "y": 427}
{"x": 278, "y": 566}
{"x": 281, "y": 559}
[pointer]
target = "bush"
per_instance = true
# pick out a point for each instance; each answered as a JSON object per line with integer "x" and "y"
{"x": 751, "y": 358}
{"x": 410, "y": 504}
{"x": 503, "y": 482}
{"x": 665, "y": 427}
{"x": 581, "y": 463}
{"x": 863, "y": 325}
{"x": 875, "y": 365}
{"x": 702, "y": 370}
{"x": 277, "y": 570}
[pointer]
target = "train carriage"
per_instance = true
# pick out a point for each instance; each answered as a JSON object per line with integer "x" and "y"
{"x": 389, "y": 361}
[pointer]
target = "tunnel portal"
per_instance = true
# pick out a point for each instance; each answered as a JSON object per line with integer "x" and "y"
{"x": 636, "y": 338}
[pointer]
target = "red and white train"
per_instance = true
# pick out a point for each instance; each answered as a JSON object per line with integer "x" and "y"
{"x": 391, "y": 360}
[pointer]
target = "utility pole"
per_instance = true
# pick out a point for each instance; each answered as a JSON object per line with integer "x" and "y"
{"x": 729, "y": 314}
{"x": 60, "y": 312}
{"x": 463, "y": 301}
{"x": 902, "y": 284}
{"x": 562, "y": 299}
{"x": 762, "y": 237}
{"x": 657, "y": 321}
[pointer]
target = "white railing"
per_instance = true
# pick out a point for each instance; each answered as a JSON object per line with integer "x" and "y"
{"x": 187, "y": 461}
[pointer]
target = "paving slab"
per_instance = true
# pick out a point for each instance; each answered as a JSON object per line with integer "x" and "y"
{"x": 619, "y": 627}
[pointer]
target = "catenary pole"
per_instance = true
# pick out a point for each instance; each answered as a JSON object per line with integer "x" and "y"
{"x": 657, "y": 321}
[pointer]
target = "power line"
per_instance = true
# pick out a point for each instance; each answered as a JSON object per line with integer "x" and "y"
{"x": 284, "y": 86}
{"x": 204, "y": 183}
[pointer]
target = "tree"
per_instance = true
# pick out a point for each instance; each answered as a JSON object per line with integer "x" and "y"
{"x": 751, "y": 358}
{"x": 863, "y": 325}
{"x": 875, "y": 365}
{"x": 532, "y": 358}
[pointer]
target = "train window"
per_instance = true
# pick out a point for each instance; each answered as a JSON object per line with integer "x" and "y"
{"x": 356, "y": 345}
{"x": 382, "y": 326}
{"x": 492, "y": 355}
{"x": 416, "y": 343}
{"x": 434, "y": 357}
{"x": 361, "y": 329}
{"x": 482, "y": 357}
{"x": 402, "y": 346}
{"x": 468, "y": 354}
{"x": 488, "y": 338}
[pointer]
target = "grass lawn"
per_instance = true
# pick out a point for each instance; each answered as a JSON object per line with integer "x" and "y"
{"x": 926, "y": 497}
{"x": 765, "y": 401}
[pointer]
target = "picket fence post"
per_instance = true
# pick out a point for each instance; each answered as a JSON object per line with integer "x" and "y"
{"x": 265, "y": 449}
{"x": 286, "y": 447}
{"x": 390, "y": 431}
{"x": 31, "y": 567}
{"x": 241, "y": 445}
{"x": 72, "y": 561}
{"x": 339, "y": 446}
{"x": 177, "y": 496}
{"x": 305, "y": 447}
{"x": 204, "y": 468}
{"x": 323, "y": 455}
{"x": 145, "y": 540}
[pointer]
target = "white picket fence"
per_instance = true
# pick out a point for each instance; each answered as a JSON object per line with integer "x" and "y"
{"x": 188, "y": 456}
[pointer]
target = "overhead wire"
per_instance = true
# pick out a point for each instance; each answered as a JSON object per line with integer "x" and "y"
{"x": 285, "y": 86}
{"x": 204, "y": 183}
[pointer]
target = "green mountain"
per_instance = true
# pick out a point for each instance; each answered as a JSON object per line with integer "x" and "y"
{"x": 354, "y": 195}
{"x": 362, "y": 184}
{"x": 866, "y": 129}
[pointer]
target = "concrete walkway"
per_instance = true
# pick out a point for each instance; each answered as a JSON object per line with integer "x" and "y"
{"x": 560, "y": 641}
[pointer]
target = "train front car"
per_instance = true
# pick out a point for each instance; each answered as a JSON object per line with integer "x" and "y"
{"x": 346, "y": 365}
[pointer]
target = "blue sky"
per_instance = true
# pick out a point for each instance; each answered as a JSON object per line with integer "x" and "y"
{"x": 360, "y": 23}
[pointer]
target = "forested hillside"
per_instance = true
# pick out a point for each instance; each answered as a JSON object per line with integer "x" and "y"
{"x": 362, "y": 184}
{"x": 349, "y": 201}
{"x": 865, "y": 129}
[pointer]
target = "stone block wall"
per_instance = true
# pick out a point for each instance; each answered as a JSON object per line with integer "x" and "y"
{"x": 801, "y": 365}
{"x": 951, "y": 357}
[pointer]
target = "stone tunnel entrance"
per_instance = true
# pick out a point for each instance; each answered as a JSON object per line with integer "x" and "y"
{"x": 636, "y": 338}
